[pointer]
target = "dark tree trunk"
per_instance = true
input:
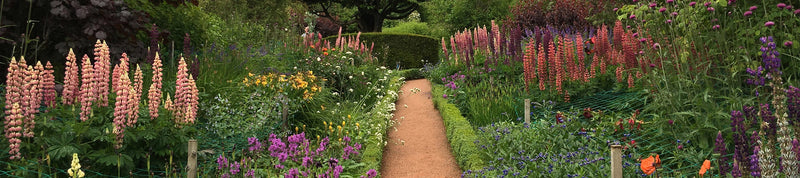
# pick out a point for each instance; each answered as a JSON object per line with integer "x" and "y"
{"x": 369, "y": 20}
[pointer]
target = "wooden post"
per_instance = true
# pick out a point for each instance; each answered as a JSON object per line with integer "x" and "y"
{"x": 616, "y": 161}
{"x": 192, "y": 163}
{"x": 527, "y": 111}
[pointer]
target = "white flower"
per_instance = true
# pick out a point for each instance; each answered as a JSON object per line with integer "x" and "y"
{"x": 383, "y": 68}
{"x": 350, "y": 77}
{"x": 318, "y": 59}
{"x": 349, "y": 53}
{"x": 351, "y": 90}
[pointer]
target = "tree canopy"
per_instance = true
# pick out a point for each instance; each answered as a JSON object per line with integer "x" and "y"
{"x": 370, "y": 13}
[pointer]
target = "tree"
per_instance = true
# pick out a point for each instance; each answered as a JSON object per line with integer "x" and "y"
{"x": 370, "y": 13}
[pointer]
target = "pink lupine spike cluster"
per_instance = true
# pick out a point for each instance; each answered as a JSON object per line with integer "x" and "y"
{"x": 102, "y": 68}
{"x": 87, "y": 90}
{"x": 123, "y": 66}
{"x": 121, "y": 107}
{"x": 14, "y": 115}
{"x": 135, "y": 96}
{"x": 71, "y": 80}
{"x": 49, "y": 86}
{"x": 154, "y": 94}
{"x": 185, "y": 104}
{"x": 32, "y": 97}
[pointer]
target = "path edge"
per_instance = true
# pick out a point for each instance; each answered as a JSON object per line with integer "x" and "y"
{"x": 458, "y": 130}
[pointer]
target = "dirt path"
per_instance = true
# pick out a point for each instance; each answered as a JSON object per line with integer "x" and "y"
{"x": 419, "y": 147}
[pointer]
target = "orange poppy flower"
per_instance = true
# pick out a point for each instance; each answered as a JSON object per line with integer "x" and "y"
{"x": 647, "y": 165}
{"x": 705, "y": 167}
{"x": 325, "y": 53}
{"x": 657, "y": 162}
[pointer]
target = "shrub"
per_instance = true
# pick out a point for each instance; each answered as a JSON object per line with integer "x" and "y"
{"x": 407, "y": 50}
{"x": 175, "y": 21}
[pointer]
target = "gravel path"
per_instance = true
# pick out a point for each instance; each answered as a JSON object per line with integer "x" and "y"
{"x": 419, "y": 146}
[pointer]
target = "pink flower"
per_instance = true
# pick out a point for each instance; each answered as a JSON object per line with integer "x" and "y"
{"x": 663, "y": 9}
{"x": 692, "y": 3}
{"x": 789, "y": 7}
{"x": 797, "y": 12}
{"x": 781, "y": 5}
{"x": 769, "y": 24}
{"x": 102, "y": 68}
{"x": 674, "y": 14}
{"x": 49, "y": 86}
{"x": 653, "y": 4}
{"x": 715, "y": 27}
{"x": 748, "y": 13}
{"x": 87, "y": 92}
{"x": 615, "y": 9}
{"x": 752, "y": 8}
{"x": 154, "y": 94}
{"x": 711, "y": 9}
{"x": 632, "y": 16}
{"x": 71, "y": 80}
{"x": 669, "y": 21}
{"x": 787, "y": 43}
{"x": 707, "y": 4}
{"x": 444, "y": 95}
{"x": 670, "y": 1}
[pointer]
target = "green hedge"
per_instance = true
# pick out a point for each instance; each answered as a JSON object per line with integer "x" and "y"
{"x": 459, "y": 132}
{"x": 412, "y": 74}
{"x": 408, "y": 49}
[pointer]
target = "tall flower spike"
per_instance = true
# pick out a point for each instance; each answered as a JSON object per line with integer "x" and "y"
{"x": 86, "y": 90}
{"x": 33, "y": 96}
{"x": 181, "y": 91}
{"x": 154, "y": 94}
{"x": 71, "y": 80}
{"x": 13, "y": 86}
{"x": 765, "y": 155}
{"x": 135, "y": 96}
{"x": 719, "y": 148}
{"x": 12, "y": 131}
{"x": 102, "y": 68}
{"x": 121, "y": 108}
{"x": 49, "y": 86}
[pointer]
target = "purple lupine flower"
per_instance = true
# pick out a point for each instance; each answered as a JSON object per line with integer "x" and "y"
{"x": 337, "y": 170}
{"x": 719, "y": 148}
{"x": 222, "y": 162}
{"x": 255, "y": 144}
{"x": 781, "y": 5}
{"x": 758, "y": 74}
{"x": 793, "y": 104}
{"x": 769, "y": 118}
{"x": 769, "y": 24}
{"x": 772, "y": 63}
{"x": 739, "y": 133}
{"x": 748, "y": 13}
{"x": 225, "y": 175}
{"x": 788, "y": 43}
{"x": 322, "y": 145}
{"x": 755, "y": 169}
{"x": 277, "y": 147}
{"x": 234, "y": 168}
{"x": 736, "y": 172}
{"x": 663, "y": 9}
{"x": 293, "y": 173}
{"x": 692, "y": 3}
{"x": 752, "y": 8}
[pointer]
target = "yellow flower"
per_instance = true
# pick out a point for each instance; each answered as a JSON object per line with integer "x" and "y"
{"x": 325, "y": 123}
{"x": 357, "y": 125}
{"x": 321, "y": 106}
{"x": 296, "y": 129}
{"x": 249, "y": 74}
{"x": 343, "y": 123}
{"x": 348, "y": 116}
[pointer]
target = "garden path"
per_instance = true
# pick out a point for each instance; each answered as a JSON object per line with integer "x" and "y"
{"x": 419, "y": 146}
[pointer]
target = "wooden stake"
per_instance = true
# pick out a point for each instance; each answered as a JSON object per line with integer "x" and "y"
{"x": 528, "y": 111}
{"x": 616, "y": 161}
{"x": 192, "y": 162}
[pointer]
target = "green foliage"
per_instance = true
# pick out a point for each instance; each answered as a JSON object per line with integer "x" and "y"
{"x": 419, "y": 28}
{"x": 407, "y": 50}
{"x": 459, "y": 133}
{"x": 469, "y": 13}
{"x": 176, "y": 21}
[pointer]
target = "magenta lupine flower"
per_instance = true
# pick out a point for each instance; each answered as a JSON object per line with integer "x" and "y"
{"x": 748, "y": 13}
{"x": 769, "y": 24}
{"x": 692, "y": 3}
{"x": 719, "y": 147}
{"x": 781, "y": 5}
{"x": 663, "y": 9}
{"x": 788, "y": 43}
{"x": 752, "y": 8}
{"x": 755, "y": 169}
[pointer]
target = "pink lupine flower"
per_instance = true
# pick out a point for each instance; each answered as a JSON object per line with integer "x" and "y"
{"x": 13, "y": 127}
{"x": 168, "y": 104}
{"x": 121, "y": 111}
{"x": 102, "y": 68}
{"x": 181, "y": 92}
{"x": 49, "y": 86}
{"x": 87, "y": 93}
{"x": 32, "y": 98}
{"x": 71, "y": 80}
{"x": 135, "y": 96}
{"x": 123, "y": 66}
{"x": 154, "y": 94}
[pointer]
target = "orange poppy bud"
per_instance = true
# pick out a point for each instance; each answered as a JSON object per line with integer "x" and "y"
{"x": 705, "y": 167}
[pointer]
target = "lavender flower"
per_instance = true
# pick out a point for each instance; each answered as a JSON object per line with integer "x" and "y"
{"x": 736, "y": 172}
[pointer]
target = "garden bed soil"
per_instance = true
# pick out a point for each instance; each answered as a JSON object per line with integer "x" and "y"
{"x": 419, "y": 146}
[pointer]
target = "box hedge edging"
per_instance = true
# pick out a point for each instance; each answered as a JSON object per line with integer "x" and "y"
{"x": 459, "y": 132}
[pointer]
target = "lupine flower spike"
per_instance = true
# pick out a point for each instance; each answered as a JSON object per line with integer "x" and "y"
{"x": 87, "y": 91}
{"x": 154, "y": 94}
{"x": 49, "y": 86}
{"x": 71, "y": 80}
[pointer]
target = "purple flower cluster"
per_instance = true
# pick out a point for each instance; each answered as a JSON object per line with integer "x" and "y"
{"x": 755, "y": 170}
{"x": 739, "y": 134}
{"x": 255, "y": 145}
{"x": 450, "y": 81}
{"x": 758, "y": 74}
{"x": 719, "y": 148}
{"x": 793, "y": 104}
{"x": 769, "y": 56}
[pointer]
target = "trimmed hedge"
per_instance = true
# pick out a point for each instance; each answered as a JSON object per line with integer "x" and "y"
{"x": 408, "y": 49}
{"x": 412, "y": 74}
{"x": 459, "y": 132}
